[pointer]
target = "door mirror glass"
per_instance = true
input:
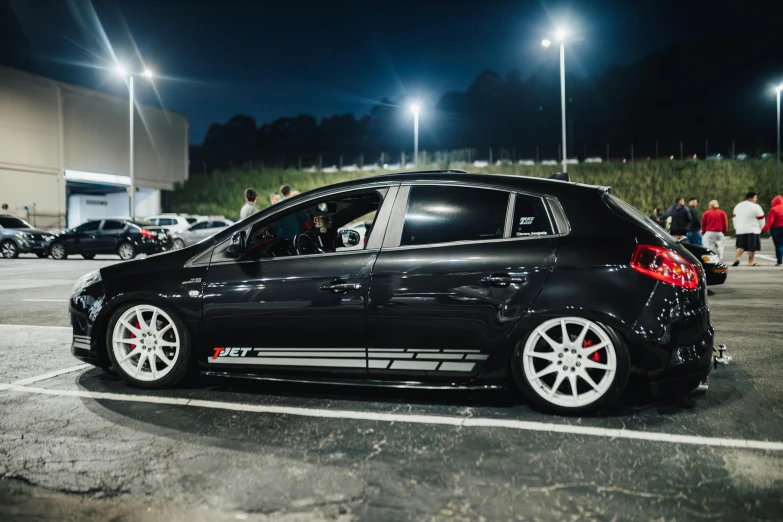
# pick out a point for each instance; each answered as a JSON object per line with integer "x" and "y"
{"x": 350, "y": 237}
{"x": 236, "y": 247}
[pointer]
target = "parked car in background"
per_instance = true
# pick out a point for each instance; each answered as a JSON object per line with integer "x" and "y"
{"x": 198, "y": 231}
{"x": 120, "y": 236}
{"x": 594, "y": 159}
{"x": 173, "y": 222}
{"x": 714, "y": 269}
{"x": 714, "y": 157}
{"x": 17, "y": 236}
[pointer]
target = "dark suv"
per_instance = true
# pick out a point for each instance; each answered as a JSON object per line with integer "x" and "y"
{"x": 17, "y": 236}
{"x": 465, "y": 281}
{"x": 119, "y": 236}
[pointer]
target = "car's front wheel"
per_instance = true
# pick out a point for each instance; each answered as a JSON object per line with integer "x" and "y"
{"x": 179, "y": 244}
{"x": 9, "y": 249}
{"x": 57, "y": 251}
{"x": 571, "y": 365}
{"x": 148, "y": 346}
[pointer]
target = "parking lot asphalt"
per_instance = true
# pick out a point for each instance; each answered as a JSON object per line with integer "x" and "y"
{"x": 79, "y": 444}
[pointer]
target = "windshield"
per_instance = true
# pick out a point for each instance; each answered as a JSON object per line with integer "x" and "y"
{"x": 143, "y": 223}
{"x": 13, "y": 222}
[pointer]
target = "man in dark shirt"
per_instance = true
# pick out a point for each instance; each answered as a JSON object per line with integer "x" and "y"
{"x": 681, "y": 218}
{"x": 694, "y": 228}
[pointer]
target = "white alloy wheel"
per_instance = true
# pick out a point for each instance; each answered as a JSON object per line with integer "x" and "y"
{"x": 126, "y": 251}
{"x": 179, "y": 244}
{"x": 570, "y": 362}
{"x": 145, "y": 343}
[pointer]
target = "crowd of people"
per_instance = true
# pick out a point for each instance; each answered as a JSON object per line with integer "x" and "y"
{"x": 251, "y": 200}
{"x": 711, "y": 228}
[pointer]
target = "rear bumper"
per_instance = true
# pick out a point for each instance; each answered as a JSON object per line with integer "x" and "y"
{"x": 716, "y": 274}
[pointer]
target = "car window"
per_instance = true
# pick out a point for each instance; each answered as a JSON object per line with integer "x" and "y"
{"x": 200, "y": 226}
{"x": 317, "y": 224}
{"x": 13, "y": 222}
{"x": 441, "y": 214}
{"x": 218, "y": 224}
{"x": 530, "y": 217}
{"x": 90, "y": 226}
{"x": 191, "y": 220}
{"x": 166, "y": 221}
{"x": 154, "y": 221}
{"x": 112, "y": 224}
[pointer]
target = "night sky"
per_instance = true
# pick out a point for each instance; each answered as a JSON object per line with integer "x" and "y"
{"x": 274, "y": 59}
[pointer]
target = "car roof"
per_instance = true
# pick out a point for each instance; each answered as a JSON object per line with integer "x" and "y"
{"x": 511, "y": 182}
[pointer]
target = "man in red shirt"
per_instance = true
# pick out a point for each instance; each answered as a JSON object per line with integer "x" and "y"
{"x": 714, "y": 227}
{"x": 775, "y": 226}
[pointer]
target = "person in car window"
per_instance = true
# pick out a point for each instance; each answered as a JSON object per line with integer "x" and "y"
{"x": 249, "y": 208}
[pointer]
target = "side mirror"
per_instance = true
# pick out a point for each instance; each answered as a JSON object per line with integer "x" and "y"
{"x": 236, "y": 248}
{"x": 350, "y": 237}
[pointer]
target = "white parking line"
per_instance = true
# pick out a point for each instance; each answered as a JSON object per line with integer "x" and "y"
{"x": 466, "y": 422}
{"x": 50, "y": 375}
{"x": 10, "y": 326}
{"x": 46, "y": 300}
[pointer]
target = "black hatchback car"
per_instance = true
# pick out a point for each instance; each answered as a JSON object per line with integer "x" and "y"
{"x": 118, "y": 236}
{"x": 17, "y": 236}
{"x": 465, "y": 281}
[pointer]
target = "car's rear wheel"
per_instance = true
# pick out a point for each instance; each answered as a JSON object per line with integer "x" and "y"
{"x": 126, "y": 251}
{"x": 571, "y": 365}
{"x": 88, "y": 256}
{"x": 179, "y": 244}
{"x": 148, "y": 346}
{"x": 57, "y": 251}
{"x": 9, "y": 249}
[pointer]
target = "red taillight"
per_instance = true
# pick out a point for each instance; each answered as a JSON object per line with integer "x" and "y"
{"x": 148, "y": 234}
{"x": 665, "y": 265}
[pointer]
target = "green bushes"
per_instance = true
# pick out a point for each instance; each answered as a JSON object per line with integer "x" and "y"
{"x": 644, "y": 184}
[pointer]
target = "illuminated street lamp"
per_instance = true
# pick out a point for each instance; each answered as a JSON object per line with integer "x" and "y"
{"x": 122, "y": 71}
{"x": 777, "y": 90}
{"x": 415, "y": 111}
{"x": 560, "y": 34}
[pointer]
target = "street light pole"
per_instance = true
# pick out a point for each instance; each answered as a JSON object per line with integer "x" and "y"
{"x": 563, "y": 104}
{"x": 415, "y": 110}
{"x": 132, "y": 178}
{"x": 779, "y": 88}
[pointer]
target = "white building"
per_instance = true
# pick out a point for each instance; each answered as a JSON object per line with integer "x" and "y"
{"x": 64, "y": 152}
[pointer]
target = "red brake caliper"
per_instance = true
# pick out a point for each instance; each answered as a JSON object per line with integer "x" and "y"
{"x": 132, "y": 336}
{"x": 595, "y": 356}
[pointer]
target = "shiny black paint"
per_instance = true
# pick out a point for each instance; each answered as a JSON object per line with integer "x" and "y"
{"x": 428, "y": 296}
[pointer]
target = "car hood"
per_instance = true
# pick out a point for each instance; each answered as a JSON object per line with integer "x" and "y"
{"x": 13, "y": 231}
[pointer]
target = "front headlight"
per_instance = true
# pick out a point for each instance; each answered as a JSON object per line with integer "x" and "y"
{"x": 710, "y": 258}
{"x": 86, "y": 280}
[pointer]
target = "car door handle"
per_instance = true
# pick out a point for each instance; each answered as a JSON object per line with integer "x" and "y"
{"x": 503, "y": 280}
{"x": 337, "y": 287}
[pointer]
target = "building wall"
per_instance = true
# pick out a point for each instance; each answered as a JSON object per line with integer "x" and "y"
{"x": 47, "y": 127}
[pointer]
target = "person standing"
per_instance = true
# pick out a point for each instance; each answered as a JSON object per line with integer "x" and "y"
{"x": 681, "y": 218}
{"x": 285, "y": 192}
{"x": 656, "y": 216}
{"x": 748, "y": 217}
{"x": 274, "y": 198}
{"x": 249, "y": 208}
{"x": 694, "y": 228}
{"x": 714, "y": 227}
{"x": 775, "y": 226}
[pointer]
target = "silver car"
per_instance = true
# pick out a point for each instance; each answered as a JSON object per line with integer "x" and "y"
{"x": 199, "y": 231}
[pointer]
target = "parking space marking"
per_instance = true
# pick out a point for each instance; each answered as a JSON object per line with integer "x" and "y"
{"x": 46, "y": 300}
{"x": 51, "y": 375}
{"x": 462, "y": 422}
{"x": 10, "y": 326}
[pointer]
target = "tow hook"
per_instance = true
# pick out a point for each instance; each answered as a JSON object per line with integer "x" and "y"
{"x": 719, "y": 356}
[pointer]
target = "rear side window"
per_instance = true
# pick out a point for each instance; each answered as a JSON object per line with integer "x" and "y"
{"x": 191, "y": 220}
{"x": 166, "y": 222}
{"x": 113, "y": 225}
{"x": 627, "y": 211}
{"x": 530, "y": 217}
{"x": 441, "y": 214}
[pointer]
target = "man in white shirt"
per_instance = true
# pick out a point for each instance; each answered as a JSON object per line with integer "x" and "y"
{"x": 249, "y": 208}
{"x": 748, "y": 220}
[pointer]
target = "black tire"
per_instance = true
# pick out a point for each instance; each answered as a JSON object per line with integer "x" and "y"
{"x": 620, "y": 379}
{"x": 57, "y": 251}
{"x": 126, "y": 251}
{"x": 9, "y": 249}
{"x": 41, "y": 255}
{"x": 181, "y": 366}
{"x": 88, "y": 256}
